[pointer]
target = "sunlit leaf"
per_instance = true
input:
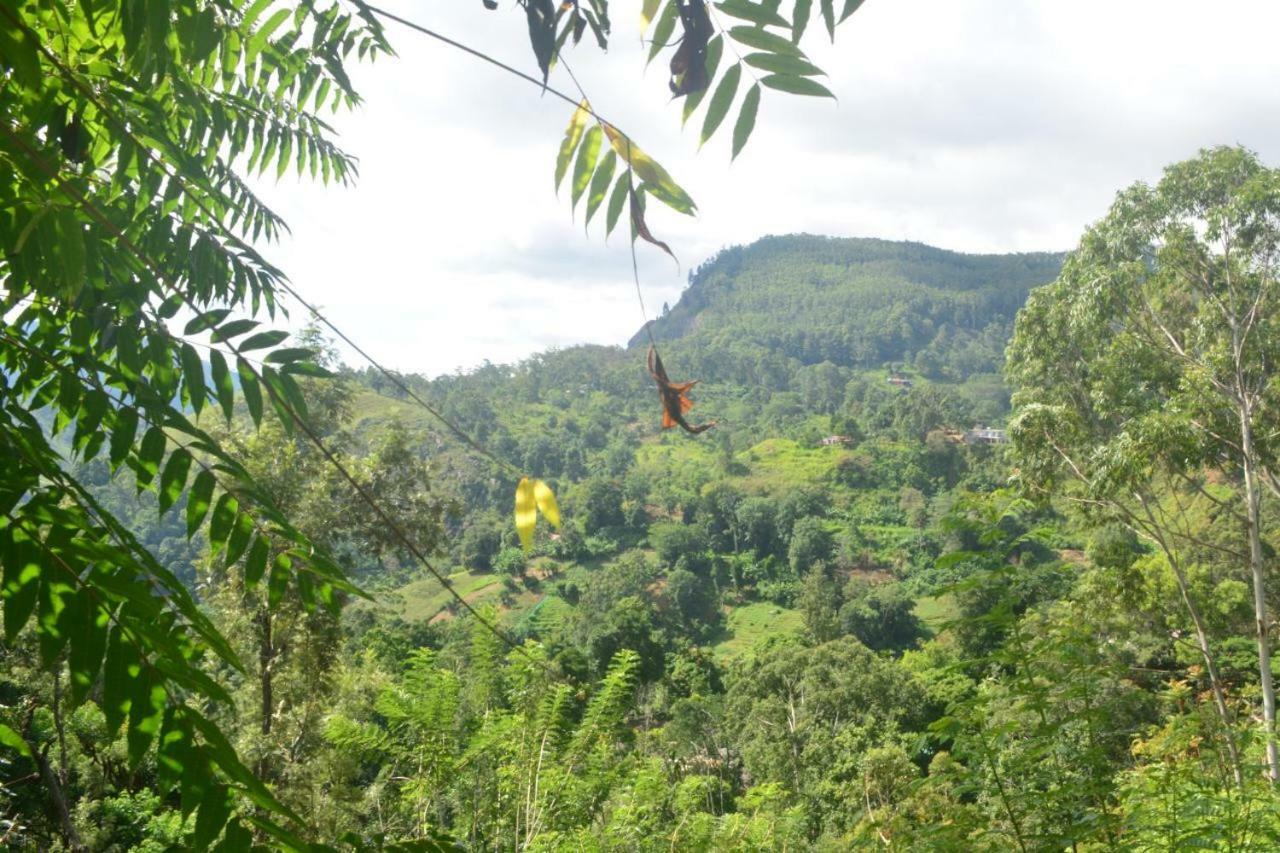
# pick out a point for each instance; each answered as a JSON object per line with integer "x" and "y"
{"x": 12, "y": 740}
{"x": 20, "y": 558}
{"x": 572, "y": 136}
{"x": 600, "y": 183}
{"x": 526, "y": 512}
{"x": 199, "y": 499}
{"x": 588, "y": 151}
{"x": 547, "y": 505}
{"x": 174, "y": 478}
{"x": 647, "y": 10}
{"x": 648, "y": 170}
{"x": 193, "y": 376}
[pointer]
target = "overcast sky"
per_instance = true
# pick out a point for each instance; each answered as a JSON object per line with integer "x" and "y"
{"x": 975, "y": 125}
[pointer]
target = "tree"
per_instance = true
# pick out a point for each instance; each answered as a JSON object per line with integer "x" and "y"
{"x": 126, "y": 139}
{"x": 881, "y": 615}
{"x": 1153, "y": 360}
{"x": 130, "y": 132}
{"x": 811, "y": 544}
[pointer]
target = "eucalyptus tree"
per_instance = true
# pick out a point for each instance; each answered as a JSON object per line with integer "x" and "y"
{"x": 1147, "y": 376}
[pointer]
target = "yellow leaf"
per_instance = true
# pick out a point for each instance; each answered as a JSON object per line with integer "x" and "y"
{"x": 526, "y": 513}
{"x": 547, "y": 502}
{"x": 647, "y": 13}
{"x": 649, "y": 170}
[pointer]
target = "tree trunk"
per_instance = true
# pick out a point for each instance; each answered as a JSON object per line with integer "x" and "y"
{"x": 1215, "y": 681}
{"x": 1257, "y": 566}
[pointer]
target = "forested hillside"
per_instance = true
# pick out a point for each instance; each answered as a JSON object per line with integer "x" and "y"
{"x": 860, "y": 545}
{"x": 833, "y": 621}
{"x": 852, "y": 303}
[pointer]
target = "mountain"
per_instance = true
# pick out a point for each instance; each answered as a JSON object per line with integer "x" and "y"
{"x": 855, "y": 303}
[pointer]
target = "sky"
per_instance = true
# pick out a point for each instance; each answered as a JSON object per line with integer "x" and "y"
{"x": 973, "y": 125}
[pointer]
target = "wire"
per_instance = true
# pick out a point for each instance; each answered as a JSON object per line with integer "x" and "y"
{"x": 405, "y": 541}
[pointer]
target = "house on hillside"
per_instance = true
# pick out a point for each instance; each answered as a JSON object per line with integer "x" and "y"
{"x": 899, "y": 380}
{"x": 986, "y": 435}
{"x": 836, "y": 440}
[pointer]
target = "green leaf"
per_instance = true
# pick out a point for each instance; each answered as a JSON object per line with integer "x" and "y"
{"x": 829, "y": 17}
{"x": 616, "y": 202}
{"x": 752, "y": 12}
{"x": 121, "y": 669}
{"x": 783, "y": 64}
{"x": 215, "y": 808}
{"x": 88, "y": 643}
{"x": 586, "y": 162}
{"x": 20, "y": 559}
{"x": 258, "y": 40}
{"x": 746, "y": 119}
{"x": 239, "y": 538}
{"x": 123, "y": 428}
{"x": 207, "y": 320}
{"x": 174, "y": 478}
{"x": 127, "y": 354}
{"x": 850, "y": 6}
{"x": 224, "y": 517}
{"x": 250, "y": 390}
{"x": 800, "y": 19}
{"x": 262, "y": 340}
{"x": 146, "y": 711}
{"x": 763, "y": 40}
{"x": 572, "y": 136}
{"x": 797, "y": 85}
{"x": 12, "y": 740}
{"x": 199, "y": 500}
{"x": 721, "y": 101}
{"x": 255, "y": 565}
{"x": 285, "y": 355}
{"x": 234, "y": 329}
{"x": 150, "y": 453}
{"x": 306, "y": 368}
{"x": 662, "y": 31}
{"x": 222, "y": 383}
{"x": 600, "y": 183}
{"x": 53, "y": 618}
{"x": 193, "y": 376}
{"x": 19, "y": 53}
{"x": 279, "y": 580}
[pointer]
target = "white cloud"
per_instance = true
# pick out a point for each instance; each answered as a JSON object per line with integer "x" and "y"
{"x": 981, "y": 126}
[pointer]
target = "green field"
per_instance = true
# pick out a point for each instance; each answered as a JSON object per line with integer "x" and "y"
{"x": 421, "y": 600}
{"x": 746, "y": 626}
{"x": 936, "y": 612}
